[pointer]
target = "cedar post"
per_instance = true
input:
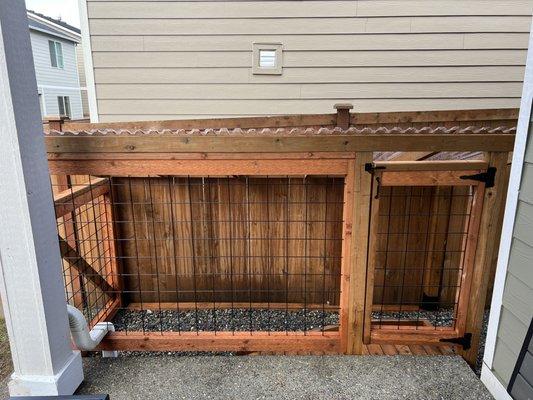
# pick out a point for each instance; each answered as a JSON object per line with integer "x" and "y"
{"x": 355, "y": 246}
{"x": 343, "y": 114}
{"x": 55, "y": 122}
{"x": 487, "y": 251}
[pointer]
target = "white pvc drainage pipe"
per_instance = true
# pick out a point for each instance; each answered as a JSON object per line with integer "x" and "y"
{"x": 84, "y": 339}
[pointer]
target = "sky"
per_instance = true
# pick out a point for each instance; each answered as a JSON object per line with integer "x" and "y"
{"x": 67, "y": 10}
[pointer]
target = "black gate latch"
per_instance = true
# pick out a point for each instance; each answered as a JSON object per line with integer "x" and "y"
{"x": 487, "y": 177}
{"x": 371, "y": 167}
{"x": 465, "y": 341}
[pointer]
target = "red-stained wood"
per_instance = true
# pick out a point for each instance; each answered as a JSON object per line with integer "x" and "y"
{"x": 221, "y": 341}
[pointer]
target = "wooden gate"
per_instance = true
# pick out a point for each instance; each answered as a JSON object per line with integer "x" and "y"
{"x": 425, "y": 220}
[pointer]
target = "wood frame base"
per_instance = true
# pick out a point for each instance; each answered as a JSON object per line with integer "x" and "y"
{"x": 222, "y": 341}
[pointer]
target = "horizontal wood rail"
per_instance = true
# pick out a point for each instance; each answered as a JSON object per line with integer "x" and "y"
{"x": 68, "y": 200}
{"x": 309, "y": 120}
{"x": 222, "y": 341}
{"x": 437, "y": 165}
{"x": 271, "y": 168}
{"x": 279, "y": 144}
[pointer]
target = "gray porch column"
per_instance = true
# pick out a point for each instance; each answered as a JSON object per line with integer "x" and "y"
{"x": 31, "y": 283}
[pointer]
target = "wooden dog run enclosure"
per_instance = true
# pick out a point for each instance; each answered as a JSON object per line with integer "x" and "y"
{"x": 282, "y": 233}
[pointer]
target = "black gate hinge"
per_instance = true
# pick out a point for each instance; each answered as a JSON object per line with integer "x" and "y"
{"x": 371, "y": 167}
{"x": 487, "y": 177}
{"x": 465, "y": 341}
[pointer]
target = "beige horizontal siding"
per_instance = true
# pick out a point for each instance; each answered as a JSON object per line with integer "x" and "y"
{"x": 236, "y": 9}
{"x": 312, "y": 75}
{"x": 242, "y": 59}
{"x": 442, "y": 7}
{"x": 177, "y": 59}
{"x": 308, "y": 91}
{"x": 255, "y": 107}
{"x": 295, "y": 26}
{"x": 439, "y": 41}
{"x": 363, "y": 8}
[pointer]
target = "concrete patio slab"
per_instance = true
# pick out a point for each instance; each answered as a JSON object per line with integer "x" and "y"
{"x": 282, "y": 377}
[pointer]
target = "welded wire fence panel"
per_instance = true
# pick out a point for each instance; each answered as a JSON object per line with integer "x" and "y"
{"x": 215, "y": 253}
{"x": 420, "y": 255}
{"x": 86, "y": 245}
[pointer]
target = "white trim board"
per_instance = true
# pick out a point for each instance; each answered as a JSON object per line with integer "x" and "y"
{"x": 88, "y": 61}
{"x": 515, "y": 178}
{"x": 493, "y": 384}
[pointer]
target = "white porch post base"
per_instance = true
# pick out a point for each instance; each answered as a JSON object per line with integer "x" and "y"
{"x": 65, "y": 382}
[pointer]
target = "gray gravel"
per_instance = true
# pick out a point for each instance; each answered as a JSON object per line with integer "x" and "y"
{"x": 288, "y": 377}
{"x": 254, "y": 319}
{"x": 224, "y": 320}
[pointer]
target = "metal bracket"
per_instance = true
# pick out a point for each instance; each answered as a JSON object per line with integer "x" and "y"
{"x": 371, "y": 167}
{"x": 465, "y": 341}
{"x": 487, "y": 177}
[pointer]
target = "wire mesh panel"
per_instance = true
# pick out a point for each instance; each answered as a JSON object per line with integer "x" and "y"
{"x": 212, "y": 254}
{"x": 423, "y": 242}
{"x": 87, "y": 244}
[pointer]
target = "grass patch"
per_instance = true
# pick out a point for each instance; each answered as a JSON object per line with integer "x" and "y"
{"x": 6, "y": 366}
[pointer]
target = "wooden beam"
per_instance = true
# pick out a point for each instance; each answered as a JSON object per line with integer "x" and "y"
{"x": 273, "y": 144}
{"x": 399, "y": 336}
{"x": 107, "y": 313}
{"x": 502, "y": 114}
{"x": 411, "y": 155}
{"x": 68, "y": 200}
{"x": 437, "y": 165}
{"x": 487, "y": 250}
{"x": 202, "y": 156}
{"x": 83, "y": 267}
{"x": 206, "y": 305}
{"x": 200, "y": 167}
{"x": 427, "y": 178}
{"x": 221, "y": 341}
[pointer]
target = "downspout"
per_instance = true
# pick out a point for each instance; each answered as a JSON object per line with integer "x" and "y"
{"x": 84, "y": 339}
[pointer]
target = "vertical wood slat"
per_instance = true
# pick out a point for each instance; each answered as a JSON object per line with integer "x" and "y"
{"x": 355, "y": 251}
{"x": 487, "y": 251}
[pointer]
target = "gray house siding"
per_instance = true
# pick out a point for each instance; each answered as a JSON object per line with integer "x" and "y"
{"x": 53, "y": 82}
{"x": 517, "y": 305}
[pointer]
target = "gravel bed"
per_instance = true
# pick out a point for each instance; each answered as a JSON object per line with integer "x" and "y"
{"x": 442, "y": 317}
{"x": 224, "y": 320}
{"x": 261, "y": 320}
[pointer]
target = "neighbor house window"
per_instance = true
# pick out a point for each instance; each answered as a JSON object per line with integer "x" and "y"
{"x": 267, "y": 58}
{"x": 56, "y": 54}
{"x": 64, "y": 106}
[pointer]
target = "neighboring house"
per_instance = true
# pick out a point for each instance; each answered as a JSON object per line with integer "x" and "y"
{"x": 508, "y": 359}
{"x": 180, "y": 59}
{"x": 54, "y": 54}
